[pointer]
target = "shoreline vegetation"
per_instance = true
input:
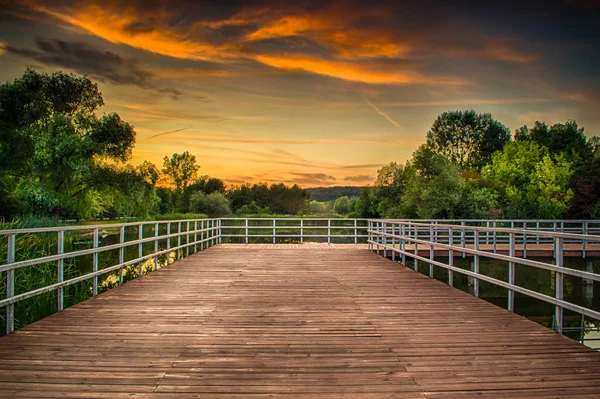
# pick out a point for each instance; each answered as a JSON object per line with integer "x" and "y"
{"x": 61, "y": 159}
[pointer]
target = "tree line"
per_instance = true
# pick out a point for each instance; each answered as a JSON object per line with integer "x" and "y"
{"x": 471, "y": 167}
{"x": 60, "y": 158}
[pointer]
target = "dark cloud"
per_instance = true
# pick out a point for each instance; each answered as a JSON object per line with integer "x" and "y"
{"x": 358, "y": 178}
{"x": 86, "y": 59}
{"x": 314, "y": 179}
{"x": 320, "y": 176}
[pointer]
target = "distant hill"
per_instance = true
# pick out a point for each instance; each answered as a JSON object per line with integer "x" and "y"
{"x": 323, "y": 194}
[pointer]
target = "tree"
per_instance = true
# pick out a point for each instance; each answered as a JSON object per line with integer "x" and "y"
{"x": 53, "y": 143}
{"x": 559, "y": 138}
{"x": 216, "y": 205}
{"x": 434, "y": 187}
{"x": 181, "y": 169}
{"x": 585, "y": 184}
{"x": 367, "y": 204}
{"x": 342, "y": 206}
{"x": 208, "y": 185}
{"x": 531, "y": 183}
{"x": 467, "y": 138}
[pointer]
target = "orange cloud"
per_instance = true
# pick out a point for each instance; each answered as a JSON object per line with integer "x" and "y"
{"x": 115, "y": 26}
{"x": 352, "y": 71}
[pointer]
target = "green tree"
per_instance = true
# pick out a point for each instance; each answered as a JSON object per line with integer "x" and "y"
{"x": 181, "y": 169}
{"x": 216, "y": 205}
{"x": 53, "y": 143}
{"x": 434, "y": 187}
{"x": 467, "y": 138}
{"x": 559, "y": 138}
{"x": 531, "y": 183}
{"x": 342, "y": 206}
{"x": 367, "y": 204}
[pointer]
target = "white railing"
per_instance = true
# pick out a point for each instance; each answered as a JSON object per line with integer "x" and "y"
{"x": 144, "y": 243}
{"x": 190, "y": 236}
{"x": 279, "y": 230}
{"x": 404, "y": 237}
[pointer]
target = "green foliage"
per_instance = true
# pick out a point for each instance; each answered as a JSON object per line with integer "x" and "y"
{"x": 281, "y": 199}
{"x": 216, "y": 205}
{"x": 532, "y": 184}
{"x": 342, "y": 206}
{"x": 325, "y": 194}
{"x": 467, "y": 138}
{"x": 367, "y": 204}
{"x": 181, "y": 169}
{"x": 253, "y": 209}
{"x": 434, "y": 189}
{"x": 559, "y": 138}
{"x": 52, "y": 143}
{"x": 319, "y": 208}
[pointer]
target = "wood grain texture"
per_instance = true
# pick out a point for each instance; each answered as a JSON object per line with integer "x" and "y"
{"x": 271, "y": 321}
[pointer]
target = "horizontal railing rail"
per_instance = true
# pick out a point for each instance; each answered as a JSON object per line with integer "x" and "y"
{"x": 396, "y": 236}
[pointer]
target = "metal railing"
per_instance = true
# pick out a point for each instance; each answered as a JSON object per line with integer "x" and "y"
{"x": 190, "y": 236}
{"x": 404, "y": 237}
{"x": 286, "y": 230}
{"x": 143, "y": 243}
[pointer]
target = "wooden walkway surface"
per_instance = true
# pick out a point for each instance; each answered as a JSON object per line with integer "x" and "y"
{"x": 269, "y": 321}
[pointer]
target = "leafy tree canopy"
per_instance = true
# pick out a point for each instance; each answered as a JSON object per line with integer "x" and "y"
{"x": 467, "y": 138}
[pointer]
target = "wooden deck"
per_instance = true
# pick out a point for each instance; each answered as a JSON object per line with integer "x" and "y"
{"x": 269, "y": 321}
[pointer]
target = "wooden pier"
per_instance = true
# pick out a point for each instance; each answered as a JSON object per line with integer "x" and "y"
{"x": 297, "y": 321}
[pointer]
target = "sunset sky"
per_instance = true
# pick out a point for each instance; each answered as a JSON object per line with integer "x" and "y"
{"x": 315, "y": 93}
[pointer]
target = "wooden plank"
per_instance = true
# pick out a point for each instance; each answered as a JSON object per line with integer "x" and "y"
{"x": 312, "y": 320}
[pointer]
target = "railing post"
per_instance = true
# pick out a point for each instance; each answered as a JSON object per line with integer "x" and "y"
{"x": 178, "y": 252}
{"x": 403, "y": 244}
{"x": 168, "y": 243}
{"x": 355, "y": 233}
{"x": 187, "y": 239}
{"x": 156, "y": 231}
{"x": 494, "y": 234}
{"x": 201, "y": 235}
{"x": 476, "y": 265}
{"x": 462, "y": 238}
{"x": 558, "y": 284}
{"x": 384, "y": 238}
{"x": 525, "y": 241}
{"x": 584, "y": 243}
{"x": 121, "y": 253}
{"x": 220, "y": 238}
{"x": 274, "y": 231}
{"x": 511, "y": 272}
{"x": 61, "y": 271}
{"x": 393, "y": 242}
{"x": 416, "y": 249}
{"x": 140, "y": 250}
{"x": 301, "y": 231}
{"x": 450, "y": 256}
{"x": 195, "y": 236}
{"x": 10, "y": 284}
{"x": 95, "y": 263}
{"x": 328, "y": 231}
{"x": 369, "y": 245}
{"x": 431, "y": 249}
{"x": 246, "y": 223}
